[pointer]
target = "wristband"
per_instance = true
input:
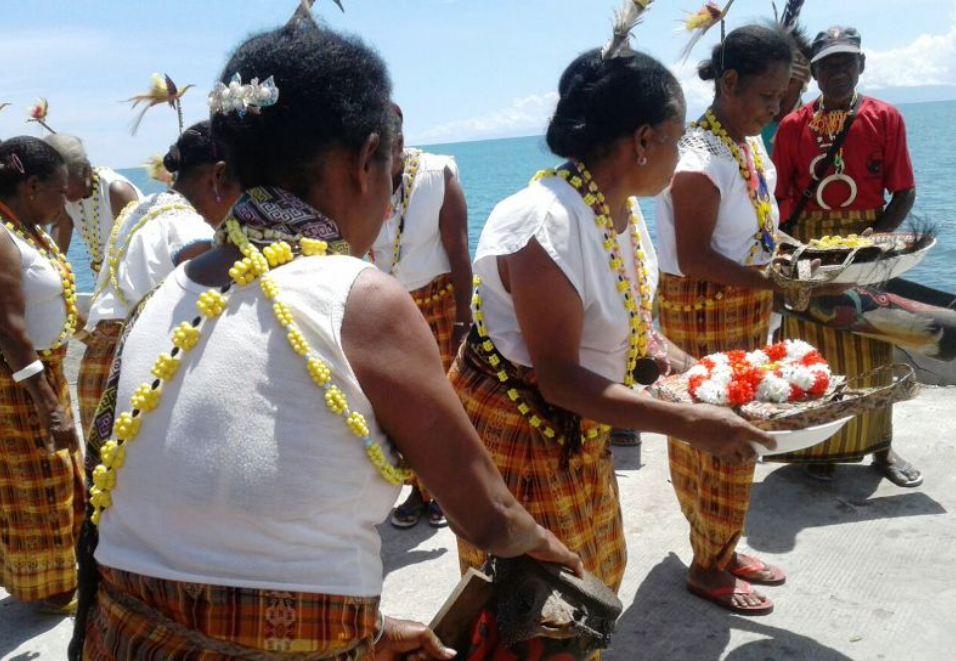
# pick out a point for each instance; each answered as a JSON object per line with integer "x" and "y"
{"x": 32, "y": 369}
{"x": 460, "y": 323}
{"x": 381, "y": 628}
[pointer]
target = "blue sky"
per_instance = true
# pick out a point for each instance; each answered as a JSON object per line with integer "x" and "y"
{"x": 462, "y": 69}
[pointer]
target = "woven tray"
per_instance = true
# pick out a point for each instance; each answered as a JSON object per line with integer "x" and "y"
{"x": 891, "y": 255}
{"x": 846, "y": 397}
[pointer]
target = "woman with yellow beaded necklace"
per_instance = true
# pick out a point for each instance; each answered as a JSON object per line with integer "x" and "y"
{"x": 272, "y": 391}
{"x": 42, "y": 499}
{"x": 149, "y": 240}
{"x": 562, "y": 329}
{"x": 717, "y": 228}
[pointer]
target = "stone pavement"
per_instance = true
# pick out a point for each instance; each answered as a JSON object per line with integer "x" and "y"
{"x": 870, "y": 565}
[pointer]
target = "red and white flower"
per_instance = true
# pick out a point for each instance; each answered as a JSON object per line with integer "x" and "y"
{"x": 787, "y": 371}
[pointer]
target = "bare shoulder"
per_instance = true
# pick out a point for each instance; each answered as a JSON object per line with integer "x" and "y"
{"x": 377, "y": 305}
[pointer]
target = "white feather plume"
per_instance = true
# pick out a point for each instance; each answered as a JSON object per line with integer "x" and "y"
{"x": 625, "y": 20}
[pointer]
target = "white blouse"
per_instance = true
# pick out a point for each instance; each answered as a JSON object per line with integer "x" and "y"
{"x": 82, "y": 212}
{"x": 553, "y": 213}
{"x": 45, "y": 313}
{"x": 737, "y": 222}
{"x": 242, "y": 476}
{"x": 423, "y": 256}
{"x": 152, "y": 254}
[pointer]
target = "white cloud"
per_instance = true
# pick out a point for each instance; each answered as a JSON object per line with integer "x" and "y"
{"x": 929, "y": 60}
{"x": 525, "y": 115}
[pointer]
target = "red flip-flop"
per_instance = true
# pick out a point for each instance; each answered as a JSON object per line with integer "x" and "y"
{"x": 723, "y": 597}
{"x": 753, "y": 568}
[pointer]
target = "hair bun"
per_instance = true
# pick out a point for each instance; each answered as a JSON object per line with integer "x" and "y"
{"x": 707, "y": 70}
{"x": 173, "y": 160}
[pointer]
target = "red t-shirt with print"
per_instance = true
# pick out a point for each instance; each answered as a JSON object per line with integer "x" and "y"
{"x": 874, "y": 153}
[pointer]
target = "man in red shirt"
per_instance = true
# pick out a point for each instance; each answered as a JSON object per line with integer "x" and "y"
{"x": 872, "y": 162}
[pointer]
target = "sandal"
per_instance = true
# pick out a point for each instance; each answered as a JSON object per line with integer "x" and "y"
{"x": 754, "y": 570}
{"x": 625, "y": 438}
{"x": 723, "y": 597}
{"x": 407, "y": 514}
{"x": 900, "y": 473}
{"x": 436, "y": 518}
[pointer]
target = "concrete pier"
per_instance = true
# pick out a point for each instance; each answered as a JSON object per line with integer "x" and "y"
{"x": 870, "y": 565}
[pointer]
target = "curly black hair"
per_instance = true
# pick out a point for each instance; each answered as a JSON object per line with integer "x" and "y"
{"x": 23, "y": 157}
{"x": 749, "y": 50}
{"x": 333, "y": 90}
{"x": 601, "y": 101}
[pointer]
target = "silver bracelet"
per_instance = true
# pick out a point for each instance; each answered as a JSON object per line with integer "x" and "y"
{"x": 32, "y": 369}
{"x": 381, "y": 628}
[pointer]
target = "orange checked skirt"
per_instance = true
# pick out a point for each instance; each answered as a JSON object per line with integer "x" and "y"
{"x": 436, "y": 300}
{"x": 142, "y": 618}
{"x": 702, "y": 318}
{"x": 95, "y": 368}
{"x": 574, "y": 495}
{"x": 847, "y": 353}
{"x": 41, "y": 495}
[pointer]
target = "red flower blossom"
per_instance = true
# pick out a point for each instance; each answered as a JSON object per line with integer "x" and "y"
{"x": 820, "y": 385}
{"x": 776, "y": 352}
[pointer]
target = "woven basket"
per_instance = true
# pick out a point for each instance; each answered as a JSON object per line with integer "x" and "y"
{"x": 844, "y": 398}
{"x": 890, "y": 255}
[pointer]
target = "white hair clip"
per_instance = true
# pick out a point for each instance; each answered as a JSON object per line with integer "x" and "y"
{"x": 236, "y": 97}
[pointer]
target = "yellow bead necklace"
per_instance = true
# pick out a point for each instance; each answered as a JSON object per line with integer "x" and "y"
{"x": 116, "y": 253}
{"x": 765, "y": 238}
{"x": 639, "y": 312}
{"x": 52, "y": 254}
{"x": 254, "y": 265}
{"x": 90, "y": 231}
{"x": 410, "y": 171}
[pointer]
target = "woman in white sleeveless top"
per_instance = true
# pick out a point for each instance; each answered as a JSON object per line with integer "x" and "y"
{"x": 95, "y": 196}
{"x": 149, "y": 239}
{"x": 424, "y": 245}
{"x": 563, "y": 328}
{"x": 41, "y": 480}
{"x": 236, "y": 510}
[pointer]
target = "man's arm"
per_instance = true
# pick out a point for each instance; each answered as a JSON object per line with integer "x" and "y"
{"x": 896, "y": 211}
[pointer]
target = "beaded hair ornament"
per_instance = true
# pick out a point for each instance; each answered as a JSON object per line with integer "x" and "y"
{"x": 236, "y": 97}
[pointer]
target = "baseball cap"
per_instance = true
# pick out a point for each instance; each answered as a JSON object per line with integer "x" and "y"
{"x": 837, "y": 39}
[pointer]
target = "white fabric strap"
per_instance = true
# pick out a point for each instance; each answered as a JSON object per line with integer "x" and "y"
{"x": 32, "y": 369}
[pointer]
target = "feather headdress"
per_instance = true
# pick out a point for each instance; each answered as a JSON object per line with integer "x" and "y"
{"x": 304, "y": 11}
{"x": 162, "y": 90}
{"x": 801, "y": 51}
{"x": 38, "y": 112}
{"x": 625, "y": 20}
{"x": 156, "y": 170}
{"x": 702, "y": 20}
{"x": 791, "y": 12}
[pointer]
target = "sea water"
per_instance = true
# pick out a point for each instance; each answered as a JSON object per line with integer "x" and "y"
{"x": 492, "y": 170}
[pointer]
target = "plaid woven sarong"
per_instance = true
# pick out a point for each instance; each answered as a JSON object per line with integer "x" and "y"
{"x": 436, "y": 300}
{"x": 847, "y": 353}
{"x": 95, "y": 369}
{"x": 139, "y": 617}
{"x": 574, "y": 495}
{"x": 702, "y": 318}
{"x": 41, "y": 495}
